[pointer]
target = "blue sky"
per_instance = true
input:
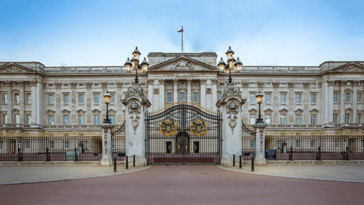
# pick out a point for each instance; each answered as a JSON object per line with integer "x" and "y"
{"x": 105, "y": 32}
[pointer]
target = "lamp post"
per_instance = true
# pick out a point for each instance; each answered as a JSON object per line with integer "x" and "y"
{"x": 231, "y": 63}
{"x": 107, "y": 98}
{"x": 134, "y": 63}
{"x": 259, "y": 98}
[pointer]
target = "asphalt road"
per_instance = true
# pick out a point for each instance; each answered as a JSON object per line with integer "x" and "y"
{"x": 184, "y": 185}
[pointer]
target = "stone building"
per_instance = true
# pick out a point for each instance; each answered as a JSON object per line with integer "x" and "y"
{"x": 37, "y": 98}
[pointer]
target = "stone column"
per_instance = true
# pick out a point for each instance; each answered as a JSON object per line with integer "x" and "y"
{"x": 40, "y": 104}
{"x": 136, "y": 105}
{"x": 58, "y": 102}
{"x": 331, "y": 101}
{"x": 22, "y": 103}
{"x": 106, "y": 145}
{"x": 203, "y": 93}
{"x": 214, "y": 95}
{"x": 189, "y": 97}
{"x": 161, "y": 94}
{"x": 290, "y": 103}
{"x": 355, "y": 104}
{"x": 260, "y": 144}
{"x": 325, "y": 97}
{"x": 34, "y": 104}
{"x": 275, "y": 103}
{"x": 175, "y": 91}
{"x": 230, "y": 106}
{"x": 342, "y": 102}
{"x": 119, "y": 93}
{"x": 306, "y": 101}
{"x": 88, "y": 102}
{"x": 150, "y": 91}
{"x": 73, "y": 115}
{"x": 156, "y": 94}
{"x": 103, "y": 105}
{"x": 10, "y": 103}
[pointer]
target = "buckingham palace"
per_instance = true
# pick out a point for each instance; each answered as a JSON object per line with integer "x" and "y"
{"x": 36, "y": 97}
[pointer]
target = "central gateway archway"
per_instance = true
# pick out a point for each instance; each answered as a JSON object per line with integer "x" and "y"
{"x": 183, "y": 134}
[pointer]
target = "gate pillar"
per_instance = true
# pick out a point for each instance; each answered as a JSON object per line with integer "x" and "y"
{"x": 230, "y": 107}
{"x": 106, "y": 145}
{"x": 136, "y": 105}
{"x": 260, "y": 144}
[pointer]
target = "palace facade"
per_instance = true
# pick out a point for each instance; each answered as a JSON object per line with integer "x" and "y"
{"x": 38, "y": 98}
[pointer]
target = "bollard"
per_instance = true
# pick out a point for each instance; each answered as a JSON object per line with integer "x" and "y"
{"x": 126, "y": 163}
{"x": 234, "y": 160}
{"x": 133, "y": 160}
{"x": 114, "y": 164}
{"x": 291, "y": 154}
{"x": 253, "y": 164}
{"x": 240, "y": 162}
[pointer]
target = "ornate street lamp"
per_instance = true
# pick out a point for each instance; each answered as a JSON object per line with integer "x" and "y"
{"x": 107, "y": 98}
{"x": 259, "y": 98}
{"x": 134, "y": 64}
{"x": 231, "y": 63}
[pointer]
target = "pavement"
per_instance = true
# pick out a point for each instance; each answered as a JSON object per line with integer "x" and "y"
{"x": 343, "y": 172}
{"x": 184, "y": 185}
{"x": 19, "y": 174}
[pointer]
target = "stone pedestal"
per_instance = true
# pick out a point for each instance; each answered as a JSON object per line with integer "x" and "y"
{"x": 230, "y": 107}
{"x": 106, "y": 145}
{"x": 136, "y": 105}
{"x": 260, "y": 144}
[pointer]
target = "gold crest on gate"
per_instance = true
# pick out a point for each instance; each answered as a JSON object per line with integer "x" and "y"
{"x": 198, "y": 127}
{"x": 168, "y": 127}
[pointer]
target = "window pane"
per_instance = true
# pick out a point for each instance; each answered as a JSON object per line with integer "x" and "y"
{"x": 181, "y": 96}
{"x": 267, "y": 119}
{"x": 313, "y": 98}
{"x": 195, "y": 97}
{"x": 267, "y": 98}
{"x": 252, "y": 98}
{"x": 50, "y": 99}
{"x": 169, "y": 97}
{"x": 112, "y": 99}
{"x": 5, "y": 98}
{"x": 96, "y": 118}
{"x": 50, "y": 120}
{"x": 298, "y": 98}
{"x": 335, "y": 119}
{"x": 335, "y": 97}
{"x": 65, "y": 120}
{"x": 29, "y": 98}
{"x": 313, "y": 119}
{"x": 17, "y": 119}
{"x": 358, "y": 120}
{"x": 65, "y": 99}
{"x": 29, "y": 119}
{"x": 283, "y": 119}
{"x": 112, "y": 119}
{"x": 16, "y": 98}
{"x": 81, "y": 120}
{"x": 252, "y": 144}
{"x": 96, "y": 99}
{"x": 283, "y": 98}
{"x": 252, "y": 119}
{"x": 347, "y": 95}
{"x": 80, "y": 99}
{"x": 67, "y": 144}
{"x": 298, "y": 119}
{"x": 358, "y": 97}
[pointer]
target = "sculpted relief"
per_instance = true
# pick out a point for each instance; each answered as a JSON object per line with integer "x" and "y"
{"x": 182, "y": 65}
{"x": 134, "y": 112}
{"x": 232, "y": 112}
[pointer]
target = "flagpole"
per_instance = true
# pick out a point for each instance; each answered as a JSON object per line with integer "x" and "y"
{"x": 182, "y": 39}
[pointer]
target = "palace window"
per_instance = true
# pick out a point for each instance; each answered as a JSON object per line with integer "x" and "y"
{"x": 335, "y": 119}
{"x": 51, "y": 144}
{"x": 112, "y": 119}
{"x": 182, "y": 96}
{"x": 1, "y": 144}
{"x": 283, "y": 98}
{"x": 313, "y": 84}
{"x": 337, "y": 143}
{"x": 252, "y": 99}
{"x": 169, "y": 97}
{"x": 96, "y": 120}
{"x": 16, "y": 98}
{"x": 267, "y": 98}
{"x": 358, "y": 97}
{"x": 66, "y": 99}
{"x": 96, "y": 99}
{"x": 358, "y": 118}
{"x": 5, "y": 119}
{"x": 29, "y": 98}
{"x": 80, "y": 99}
{"x": 5, "y": 98}
{"x": 67, "y": 144}
{"x": 335, "y": 97}
{"x": 112, "y": 99}
{"x": 347, "y": 118}
{"x": 298, "y": 98}
{"x": 50, "y": 99}
{"x": 27, "y": 144}
{"x": 81, "y": 119}
{"x": 283, "y": 119}
{"x": 29, "y": 119}
{"x": 298, "y": 144}
{"x": 298, "y": 119}
{"x": 267, "y": 119}
{"x": 50, "y": 120}
{"x": 313, "y": 98}
{"x": 252, "y": 144}
{"x": 313, "y": 144}
{"x": 195, "y": 97}
{"x": 17, "y": 119}
{"x": 313, "y": 119}
{"x": 66, "y": 120}
{"x": 252, "y": 119}
{"x": 347, "y": 97}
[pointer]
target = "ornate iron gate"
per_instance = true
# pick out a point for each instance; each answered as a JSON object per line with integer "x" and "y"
{"x": 183, "y": 134}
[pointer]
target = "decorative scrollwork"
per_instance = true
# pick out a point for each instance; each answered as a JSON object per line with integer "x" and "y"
{"x": 168, "y": 127}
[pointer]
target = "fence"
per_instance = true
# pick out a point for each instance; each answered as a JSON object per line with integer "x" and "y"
{"x": 248, "y": 141}
{"x": 314, "y": 146}
{"x": 51, "y": 147}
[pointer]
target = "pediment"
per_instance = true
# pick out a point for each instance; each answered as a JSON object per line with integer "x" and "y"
{"x": 351, "y": 67}
{"x": 182, "y": 64}
{"x": 15, "y": 68}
